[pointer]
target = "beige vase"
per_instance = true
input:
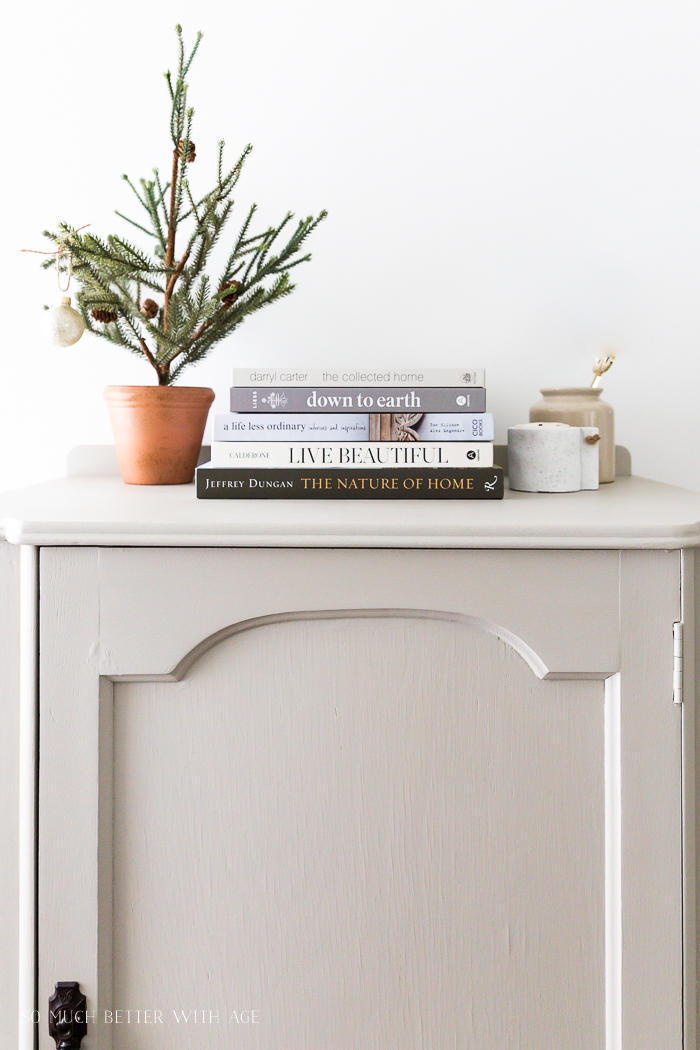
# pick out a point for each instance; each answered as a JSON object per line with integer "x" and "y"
{"x": 580, "y": 406}
{"x": 158, "y": 431}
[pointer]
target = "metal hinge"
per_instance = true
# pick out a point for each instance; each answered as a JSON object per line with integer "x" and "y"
{"x": 678, "y": 663}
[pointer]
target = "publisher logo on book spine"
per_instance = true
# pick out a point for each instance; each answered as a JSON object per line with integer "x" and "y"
{"x": 274, "y": 401}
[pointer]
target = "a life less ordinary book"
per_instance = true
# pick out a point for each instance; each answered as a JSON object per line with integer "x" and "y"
{"x": 439, "y": 426}
{"x": 349, "y": 399}
{"x": 353, "y": 453}
{"x": 357, "y": 377}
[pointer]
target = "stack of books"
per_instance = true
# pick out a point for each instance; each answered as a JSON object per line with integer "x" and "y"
{"x": 353, "y": 435}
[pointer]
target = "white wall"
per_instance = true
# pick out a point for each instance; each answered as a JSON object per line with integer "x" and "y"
{"x": 511, "y": 183}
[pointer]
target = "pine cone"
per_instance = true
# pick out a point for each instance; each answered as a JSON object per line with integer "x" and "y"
{"x": 229, "y": 300}
{"x": 104, "y": 316}
{"x": 149, "y": 309}
{"x": 191, "y": 153}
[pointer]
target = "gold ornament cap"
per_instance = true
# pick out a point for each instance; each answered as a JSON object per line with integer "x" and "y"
{"x": 65, "y": 300}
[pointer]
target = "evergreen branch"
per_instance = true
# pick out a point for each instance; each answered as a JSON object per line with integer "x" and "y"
{"x": 115, "y": 257}
{"x": 235, "y": 172}
{"x": 162, "y": 190}
{"x": 203, "y": 293}
{"x": 178, "y": 270}
{"x": 128, "y": 181}
{"x": 134, "y": 302}
{"x": 139, "y": 348}
{"x": 241, "y": 242}
{"x": 186, "y": 68}
{"x": 147, "y": 352}
{"x": 130, "y": 254}
{"x": 200, "y": 256}
{"x": 177, "y": 115}
{"x": 220, "y": 164}
{"x": 183, "y": 150}
{"x": 290, "y": 265}
{"x": 149, "y": 192}
{"x": 181, "y": 49}
{"x": 136, "y": 224}
{"x": 170, "y": 250}
{"x": 159, "y": 201}
{"x": 193, "y": 206}
{"x": 169, "y": 288}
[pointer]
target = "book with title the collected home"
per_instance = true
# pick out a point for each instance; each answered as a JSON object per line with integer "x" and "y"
{"x": 357, "y": 377}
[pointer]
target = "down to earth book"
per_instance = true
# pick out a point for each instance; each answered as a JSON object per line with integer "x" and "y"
{"x": 292, "y": 426}
{"x": 283, "y": 454}
{"x": 352, "y": 399}
{"x": 423, "y": 483}
{"x": 357, "y": 377}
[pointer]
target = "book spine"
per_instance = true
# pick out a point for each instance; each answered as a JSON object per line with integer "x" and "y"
{"x": 348, "y": 377}
{"x": 352, "y": 399}
{"x": 445, "y": 426}
{"x": 452, "y": 426}
{"x": 424, "y": 483}
{"x": 377, "y": 454}
{"x": 302, "y": 427}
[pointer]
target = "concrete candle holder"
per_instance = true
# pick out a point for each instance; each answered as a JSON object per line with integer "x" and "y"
{"x": 552, "y": 457}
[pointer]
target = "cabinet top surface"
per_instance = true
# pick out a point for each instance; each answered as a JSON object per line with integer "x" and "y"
{"x": 103, "y": 511}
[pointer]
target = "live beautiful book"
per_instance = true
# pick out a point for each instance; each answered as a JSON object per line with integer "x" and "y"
{"x": 378, "y": 454}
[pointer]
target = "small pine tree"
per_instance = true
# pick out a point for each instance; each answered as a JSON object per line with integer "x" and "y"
{"x": 194, "y": 314}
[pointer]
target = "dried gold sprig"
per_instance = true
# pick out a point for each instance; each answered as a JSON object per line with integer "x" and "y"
{"x": 601, "y": 366}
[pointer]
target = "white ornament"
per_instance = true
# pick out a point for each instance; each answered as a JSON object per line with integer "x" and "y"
{"x": 63, "y": 325}
{"x": 552, "y": 457}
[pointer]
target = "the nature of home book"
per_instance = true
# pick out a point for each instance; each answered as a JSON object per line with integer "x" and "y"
{"x": 285, "y": 454}
{"x": 405, "y": 483}
{"x": 351, "y": 399}
{"x": 444, "y": 426}
{"x": 356, "y": 377}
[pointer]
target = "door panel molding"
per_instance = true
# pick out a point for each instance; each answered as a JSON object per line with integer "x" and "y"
{"x": 564, "y": 606}
{"x": 531, "y": 658}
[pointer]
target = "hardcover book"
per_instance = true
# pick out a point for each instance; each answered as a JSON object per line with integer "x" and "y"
{"x": 351, "y": 454}
{"x": 443, "y": 426}
{"x": 446, "y": 426}
{"x": 352, "y": 399}
{"x": 423, "y": 483}
{"x": 354, "y": 377}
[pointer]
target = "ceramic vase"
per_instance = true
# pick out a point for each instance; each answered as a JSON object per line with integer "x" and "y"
{"x": 580, "y": 406}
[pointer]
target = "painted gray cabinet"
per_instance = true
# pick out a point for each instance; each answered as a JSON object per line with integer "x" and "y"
{"x": 310, "y": 792}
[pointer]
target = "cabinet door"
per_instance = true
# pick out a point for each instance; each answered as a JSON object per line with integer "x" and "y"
{"x": 362, "y": 799}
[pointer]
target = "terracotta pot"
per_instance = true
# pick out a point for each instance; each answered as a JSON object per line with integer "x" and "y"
{"x": 158, "y": 431}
